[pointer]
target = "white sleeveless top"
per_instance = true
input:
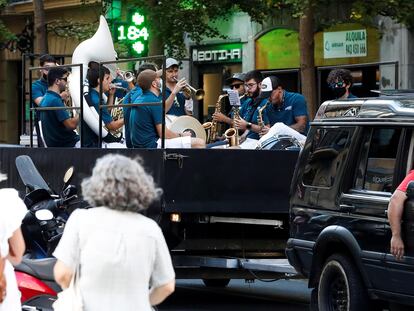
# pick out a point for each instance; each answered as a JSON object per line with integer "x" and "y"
{"x": 12, "y": 212}
{"x": 122, "y": 255}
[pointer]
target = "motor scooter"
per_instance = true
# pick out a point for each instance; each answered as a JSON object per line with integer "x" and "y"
{"x": 42, "y": 228}
{"x": 43, "y": 224}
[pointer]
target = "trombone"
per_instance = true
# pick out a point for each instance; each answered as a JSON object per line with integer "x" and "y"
{"x": 128, "y": 76}
{"x": 190, "y": 91}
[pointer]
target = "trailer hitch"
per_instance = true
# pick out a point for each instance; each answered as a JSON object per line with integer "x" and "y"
{"x": 175, "y": 157}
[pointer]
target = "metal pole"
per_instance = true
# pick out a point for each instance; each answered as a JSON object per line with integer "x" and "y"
{"x": 164, "y": 87}
{"x": 81, "y": 105}
{"x": 30, "y": 112}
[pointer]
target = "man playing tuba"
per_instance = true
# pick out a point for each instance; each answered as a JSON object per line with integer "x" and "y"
{"x": 96, "y": 83}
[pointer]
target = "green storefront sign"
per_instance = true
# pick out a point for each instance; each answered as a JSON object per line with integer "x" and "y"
{"x": 219, "y": 53}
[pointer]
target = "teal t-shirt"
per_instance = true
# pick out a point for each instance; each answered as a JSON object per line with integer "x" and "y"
{"x": 143, "y": 120}
{"x": 54, "y": 131}
{"x": 249, "y": 111}
{"x": 90, "y": 139}
{"x": 178, "y": 106}
{"x": 294, "y": 105}
{"x": 130, "y": 98}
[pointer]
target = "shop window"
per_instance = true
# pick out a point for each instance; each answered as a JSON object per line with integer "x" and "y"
{"x": 327, "y": 153}
{"x": 377, "y": 160}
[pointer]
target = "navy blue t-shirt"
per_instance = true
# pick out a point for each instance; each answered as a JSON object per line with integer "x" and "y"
{"x": 130, "y": 98}
{"x": 178, "y": 106}
{"x": 294, "y": 105}
{"x": 54, "y": 131}
{"x": 90, "y": 139}
{"x": 143, "y": 120}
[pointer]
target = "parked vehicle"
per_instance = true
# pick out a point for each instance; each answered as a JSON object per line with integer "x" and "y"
{"x": 37, "y": 284}
{"x": 356, "y": 154}
{"x": 47, "y": 213}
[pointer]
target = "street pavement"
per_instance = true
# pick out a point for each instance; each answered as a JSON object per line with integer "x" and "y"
{"x": 239, "y": 295}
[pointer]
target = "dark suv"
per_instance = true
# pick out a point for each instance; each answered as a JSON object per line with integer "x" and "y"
{"x": 356, "y": 154}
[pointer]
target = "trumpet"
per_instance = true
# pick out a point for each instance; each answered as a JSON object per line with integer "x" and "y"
{"x": 128, "y": 76}
{"x": 190, "y": 91}
{"x": 113, "y": 86}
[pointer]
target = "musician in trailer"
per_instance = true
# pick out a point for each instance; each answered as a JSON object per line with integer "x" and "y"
{"x": 177, "y": 103}
{"x": 97, "y": 82}
{"x": 236, "y": 82}
{"x": 130, "y": 98}
{"x": 286, "y": 107}
{"x": 40, "y": 86}
{"x": 57, "y": 125}
{"x": 146, "y": 120}
{"x": 249, "y": 112}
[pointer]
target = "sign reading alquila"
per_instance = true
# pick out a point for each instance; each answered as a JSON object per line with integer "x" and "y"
{"x": 350, "y": 43}
{"x": 231, "y": 52}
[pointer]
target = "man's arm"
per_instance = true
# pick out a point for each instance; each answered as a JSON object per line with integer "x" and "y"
{"x": 168, "y": 133}
{"x": 71, "y": 123}
{"x": 38, "y": 100}
{"x": 300, "y": 124}
{"x": 158, "y": 294}
{"x": 114, "y": 125}
{"x": 395, "y": 211}
{"x": 170, "y": 100}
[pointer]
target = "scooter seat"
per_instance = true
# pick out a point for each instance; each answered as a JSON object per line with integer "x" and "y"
{"x": 39, "y": 268}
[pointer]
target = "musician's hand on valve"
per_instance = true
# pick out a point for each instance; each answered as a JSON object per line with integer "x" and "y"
{"x": 179, "y": 86}
{"x": 219, "y": 117}
{"x": 112, "y": 89}
{"x": 240, "y": 123}
{"x": 264, "y": 131}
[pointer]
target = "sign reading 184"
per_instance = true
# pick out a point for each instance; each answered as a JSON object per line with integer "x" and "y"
{"x": 134, "y": 33}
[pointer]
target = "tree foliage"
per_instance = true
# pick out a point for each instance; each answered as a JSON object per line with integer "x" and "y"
{"x": 5, "y": 34}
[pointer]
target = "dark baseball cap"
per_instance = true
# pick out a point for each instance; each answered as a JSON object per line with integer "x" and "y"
{"x": 236, "y": 77}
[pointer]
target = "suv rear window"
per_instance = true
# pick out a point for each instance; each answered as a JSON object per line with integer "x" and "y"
{"x": 327, "y": 149}
{"x": 377, "y": 159}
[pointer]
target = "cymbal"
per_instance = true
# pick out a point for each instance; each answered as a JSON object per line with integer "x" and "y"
{"x": 190, "y": 124}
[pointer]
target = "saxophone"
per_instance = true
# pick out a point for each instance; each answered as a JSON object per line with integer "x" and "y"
{"x": 260, "y": 121}
{"x": 212, "y": 126}
{"x": 232, "y": 134}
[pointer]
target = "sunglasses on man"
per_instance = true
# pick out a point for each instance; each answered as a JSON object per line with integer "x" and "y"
{"x": 236, "y": 86}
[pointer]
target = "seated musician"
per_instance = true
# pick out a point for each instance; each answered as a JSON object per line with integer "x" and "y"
{"x": 177, "y": 103}
{"x": 285, "y": 107}
{"x": 97, "y": 82}
{"x": 130, "y": 98}
{"x": 249, "y": 112}
{"x": 236, "y": 82}
{"x": 146, "y": 120}
{"x": 57, "y": 125}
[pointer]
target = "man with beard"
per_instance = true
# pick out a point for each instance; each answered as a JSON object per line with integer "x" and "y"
{"x": 249, "y": 112}
{"x": 39, "y": 88}
{"x": 57, "y": 125}
{"x": 340, "y": 83}
{"x": 286, "y": 107}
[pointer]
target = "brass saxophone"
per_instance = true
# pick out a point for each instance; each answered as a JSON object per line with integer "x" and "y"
{"x": 212, "y": 126}
{"x": 232, "y": 134}
{"x": 260, "y": 121}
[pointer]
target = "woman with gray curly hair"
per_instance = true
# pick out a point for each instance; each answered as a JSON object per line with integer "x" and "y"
{"x": 123, "y": 257}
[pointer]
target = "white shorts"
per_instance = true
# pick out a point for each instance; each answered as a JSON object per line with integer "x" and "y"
{"x": 179, "y": 142}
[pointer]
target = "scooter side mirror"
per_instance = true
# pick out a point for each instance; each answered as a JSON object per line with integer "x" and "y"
{"x": 43, "y": 214}
{"x": 68, "y": 174}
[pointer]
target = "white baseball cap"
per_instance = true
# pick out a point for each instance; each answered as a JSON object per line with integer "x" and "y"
{"x": 170, "y": 62}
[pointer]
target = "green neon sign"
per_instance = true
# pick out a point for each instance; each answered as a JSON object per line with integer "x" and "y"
{"x": 134, "y": 33}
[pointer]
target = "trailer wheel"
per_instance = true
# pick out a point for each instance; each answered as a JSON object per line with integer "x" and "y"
{"x": 341, "y": 287}
{"x": 216, "y": 282}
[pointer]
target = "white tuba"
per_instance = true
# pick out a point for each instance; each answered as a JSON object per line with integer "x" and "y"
{"x": 99, "y": 48}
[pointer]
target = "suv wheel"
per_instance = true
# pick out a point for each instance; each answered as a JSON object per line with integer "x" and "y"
{"x": 340, "y": 286}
